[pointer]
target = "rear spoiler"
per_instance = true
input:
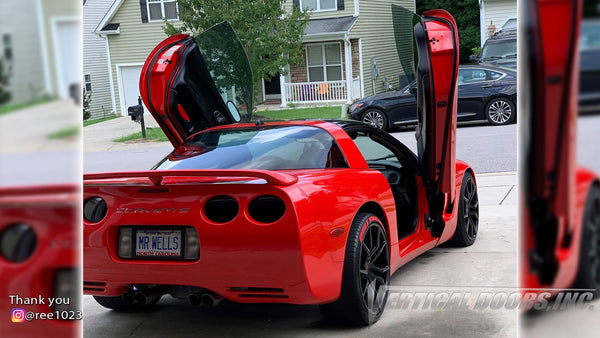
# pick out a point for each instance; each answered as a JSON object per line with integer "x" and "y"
{"x": 156, "y": 177}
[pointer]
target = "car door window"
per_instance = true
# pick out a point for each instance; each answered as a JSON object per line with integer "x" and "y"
{"x": 372, "y": 150}
{"x": 495, "y": 75}
{"x": 471, "y": 75}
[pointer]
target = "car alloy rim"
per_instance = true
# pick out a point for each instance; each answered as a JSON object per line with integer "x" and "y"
{"x": 471, "y": 211}
{"x": 500, "y": 111}
{"x": 374, "y": 268}
{"x": 592, "y": 222}
{"x": 374, "y": 118}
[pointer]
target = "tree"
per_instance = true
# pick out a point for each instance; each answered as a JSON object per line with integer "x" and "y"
{"x": 271, "y": 36}
{"x": 5, "y": 96}
{"x": 466, "y": 14}
{"x": 87, "y": 98}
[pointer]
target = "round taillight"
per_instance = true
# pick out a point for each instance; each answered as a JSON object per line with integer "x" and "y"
{"x": 94, "y": 209}
{"x": 221, "y": 209}
{"x": 17, "y": 242}
{"x": 266, "y": 209}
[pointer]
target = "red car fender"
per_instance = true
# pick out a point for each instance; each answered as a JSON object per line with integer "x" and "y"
{"x": 452, "y": 217}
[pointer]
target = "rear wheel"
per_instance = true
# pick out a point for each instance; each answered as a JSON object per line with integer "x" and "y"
{"x": 119, "y": 304}
{"x": 500, "y": 111}
{"x": 467, "y": 224}
{"x": 376, "y": 118}
{"x": 366, "y": 275}
{"x": 588, "y": 275}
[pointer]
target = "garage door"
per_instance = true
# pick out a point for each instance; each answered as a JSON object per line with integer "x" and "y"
{"x": 68, "y": 54}
{"x": 129, "y": 86}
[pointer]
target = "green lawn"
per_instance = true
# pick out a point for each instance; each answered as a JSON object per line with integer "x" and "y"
{"x": 154, "y": 134}
{"x": 90, "y": 122}
{"x": 5, "y": 109}
{"x": 333, "y": 112}
{"x": 64, "y": 133}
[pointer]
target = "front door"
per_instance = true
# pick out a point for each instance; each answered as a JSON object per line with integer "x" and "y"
{"x": 273, "y": 88}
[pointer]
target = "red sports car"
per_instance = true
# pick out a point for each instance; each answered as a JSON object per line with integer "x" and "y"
{"x": 302, "y": 212}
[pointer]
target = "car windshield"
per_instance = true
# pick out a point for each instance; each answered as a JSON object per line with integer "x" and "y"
{"x": 590, "y": 35}
{"x": 266, "y": 148}
{"x": 500, "y": 49}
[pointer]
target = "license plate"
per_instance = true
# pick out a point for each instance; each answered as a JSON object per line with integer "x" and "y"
{"x": 158, "y": 243}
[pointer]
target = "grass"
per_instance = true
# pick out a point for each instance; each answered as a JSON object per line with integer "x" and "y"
{"x": 333, "y": 112}
{"x": 90, "y": 122}
{"x": 5, "y": 109}
{"x": 64, "y": 133}
{"x": 154, "y": 134}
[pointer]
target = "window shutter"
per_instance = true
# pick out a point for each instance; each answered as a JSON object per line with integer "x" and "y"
{"x": 340, "y": 5}
{"x": 296, "y": 4}
{"x": 144, "y": 10}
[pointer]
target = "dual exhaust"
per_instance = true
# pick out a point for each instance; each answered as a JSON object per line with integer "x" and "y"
{"x": 148, "y": 296}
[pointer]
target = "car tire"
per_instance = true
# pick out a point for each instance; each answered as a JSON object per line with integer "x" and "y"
{"x": 467, "y": 223}
{"x": 588, "y": 274}
{"x": 366, "y": 274}
{"x": 375, "y": 118}
{"x": 500, "y": 111}
{"x": 117, "y": 303}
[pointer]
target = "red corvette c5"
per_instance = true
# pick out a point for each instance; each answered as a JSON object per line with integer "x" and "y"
{"x": 302, "y": 212}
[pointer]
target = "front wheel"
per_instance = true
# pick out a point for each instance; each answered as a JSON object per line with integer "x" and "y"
{"x": 467, "y": 224}
{"x": 376, "y": 118}
{"x": 500, "y": 111}
{"x": 588, "y": 275}
{"x": 366, "y": 275}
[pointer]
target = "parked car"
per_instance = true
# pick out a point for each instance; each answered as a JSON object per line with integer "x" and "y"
{"x": 300, "y": 212}
{"x": 499, "y": 50}
{"x": 589, "y": 67}
{"x": 484, "y": 92}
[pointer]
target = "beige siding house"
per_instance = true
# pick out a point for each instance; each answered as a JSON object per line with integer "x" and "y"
{"x": 40, "y": 47}
{"x": 342, "y": 39}
{"x": 96, "y": 79}
{"x": 495, "y": 15}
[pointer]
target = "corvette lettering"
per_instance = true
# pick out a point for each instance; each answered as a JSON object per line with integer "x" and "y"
{"x": 152, "y": 210}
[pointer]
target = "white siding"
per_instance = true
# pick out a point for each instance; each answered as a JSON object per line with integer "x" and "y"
{"x": 95, "y": 58}
{"x": 18, "y": 19}
{"x": 496, "y": 12}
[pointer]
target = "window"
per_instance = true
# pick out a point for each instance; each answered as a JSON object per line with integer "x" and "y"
{"x": 324, "y": 62}
{"x": 7, "y": 47}
{"x": 87, "y": 82}
{"x": 495, "y": 75}
{"x": 373, "y": 150}
{"x": 319, "y": 5}
{"x": 471, "y": 75}
{"x": 159, "y": 9}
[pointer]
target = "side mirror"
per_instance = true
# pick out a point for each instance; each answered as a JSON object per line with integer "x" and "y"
{"x": 235, "y": 113}
{"x": 473, "y": 58}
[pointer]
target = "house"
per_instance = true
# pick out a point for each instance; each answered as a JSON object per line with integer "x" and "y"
{"x": 346, "y": 43}
{"x": 40, "y": 48}
{"x": 96, "y": 76}
{"x": 495, "y": 15}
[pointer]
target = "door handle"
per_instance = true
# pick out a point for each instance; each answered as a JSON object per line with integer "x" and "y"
{"x": 486, "y": 86}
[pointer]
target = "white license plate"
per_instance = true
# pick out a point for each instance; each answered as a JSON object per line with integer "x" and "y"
{"x": 158, "y": 243}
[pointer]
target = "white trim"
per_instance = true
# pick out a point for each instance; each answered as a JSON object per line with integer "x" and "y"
{"x": 44, "y": 46}
{"x": 110, "y": 76}
{"x": 109, "y": 15}
{"x": 356, "y": 8}
{"x": 349, "y": 77}
{"x": 264, "y": 92}
{"x": 482, "y": 22}
{"x": 62, "y": 90}
{"x": 120, "y": 83}
{"x": 360, "y": 61}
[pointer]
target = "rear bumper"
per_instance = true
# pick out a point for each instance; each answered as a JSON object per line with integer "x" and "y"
{"x": 241, "y": 260}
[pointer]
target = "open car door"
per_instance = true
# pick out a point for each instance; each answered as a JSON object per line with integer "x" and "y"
{"x": 434, "y": 56}
{"x": 190, "y": 84}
